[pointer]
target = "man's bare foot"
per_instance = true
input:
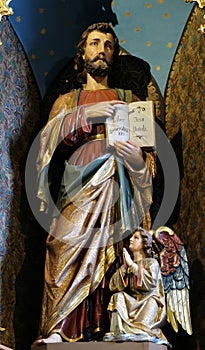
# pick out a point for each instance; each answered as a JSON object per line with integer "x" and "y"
{"x": 53, "y": 338}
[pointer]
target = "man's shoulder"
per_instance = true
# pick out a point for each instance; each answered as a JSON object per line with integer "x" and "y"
{"x": 67, "y": 99}
{"x": 63, "y": 103}
{"x": 67, "y": 95}
{"x": 124, "y": 95}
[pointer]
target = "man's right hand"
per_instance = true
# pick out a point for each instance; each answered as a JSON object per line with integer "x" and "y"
{"x": 101, "y": 110}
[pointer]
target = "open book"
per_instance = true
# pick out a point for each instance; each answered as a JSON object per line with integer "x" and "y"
{"x": 134, "y": 121}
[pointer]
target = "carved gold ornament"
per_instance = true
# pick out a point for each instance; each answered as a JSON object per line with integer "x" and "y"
{"x": 5, "y": 10}
{"x": 201, "y": 4}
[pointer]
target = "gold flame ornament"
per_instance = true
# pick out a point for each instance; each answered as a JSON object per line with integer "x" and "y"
{"x": 5, "y": 10}
{"x": 201, "y": 3}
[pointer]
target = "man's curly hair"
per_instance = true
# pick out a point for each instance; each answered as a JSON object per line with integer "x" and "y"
{"x": 100, "y": 27}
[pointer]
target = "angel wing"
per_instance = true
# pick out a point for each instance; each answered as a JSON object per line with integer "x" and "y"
{"x": 175, "y": 275}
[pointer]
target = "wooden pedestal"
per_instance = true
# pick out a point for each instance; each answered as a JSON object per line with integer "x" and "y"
{"x": 100, "y": 346}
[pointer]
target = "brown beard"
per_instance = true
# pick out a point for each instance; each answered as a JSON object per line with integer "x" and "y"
{"x": 99, "y": 69}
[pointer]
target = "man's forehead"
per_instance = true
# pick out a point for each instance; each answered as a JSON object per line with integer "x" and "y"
{"x": 99, "y": 35}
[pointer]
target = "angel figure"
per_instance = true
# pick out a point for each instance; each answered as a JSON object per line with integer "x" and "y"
{"x": 142, "y": 293}
{"x": 175, "y": 275}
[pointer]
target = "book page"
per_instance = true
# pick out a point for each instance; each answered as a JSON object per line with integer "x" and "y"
{"x": 117, "y": 128}
{"x": 142, "y": 123}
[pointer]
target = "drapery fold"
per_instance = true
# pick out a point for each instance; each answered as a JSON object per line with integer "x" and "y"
{"x": 100, "y": 200}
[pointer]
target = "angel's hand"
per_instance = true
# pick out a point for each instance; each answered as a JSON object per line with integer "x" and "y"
{"x": 130, "y": 152}
{"x": 126, "y": 258}
{"x": 101, "y": 109}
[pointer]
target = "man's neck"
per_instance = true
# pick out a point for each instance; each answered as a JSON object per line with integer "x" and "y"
{"x": 96, "y": 83}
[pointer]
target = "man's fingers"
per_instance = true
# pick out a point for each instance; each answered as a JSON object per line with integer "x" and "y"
{"x": 114, "y": 102}
{"x": 127, "y": 145}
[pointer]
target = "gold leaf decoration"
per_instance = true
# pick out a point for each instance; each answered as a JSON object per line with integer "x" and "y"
{"x": 201, "y": 4}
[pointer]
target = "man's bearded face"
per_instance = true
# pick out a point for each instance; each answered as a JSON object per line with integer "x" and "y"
{"x": 99, "y": 50}
{"x": 97, "y": 67}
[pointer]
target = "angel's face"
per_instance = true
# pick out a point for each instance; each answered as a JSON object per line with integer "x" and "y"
{"x": 136, "y": 243}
